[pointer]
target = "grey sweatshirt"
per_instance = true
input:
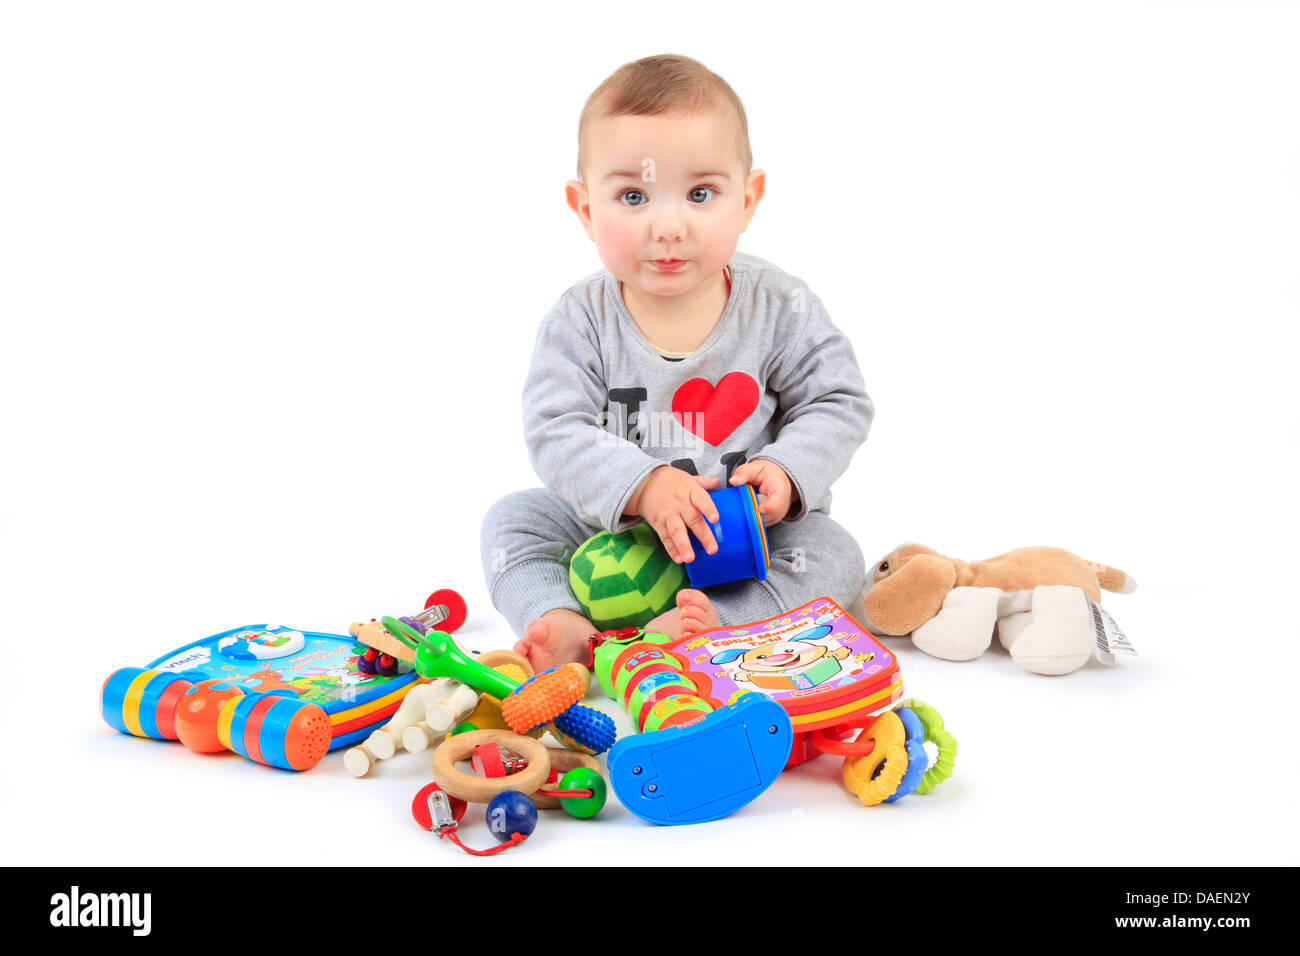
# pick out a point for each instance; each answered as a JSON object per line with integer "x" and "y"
{"x": 775, "y": 379}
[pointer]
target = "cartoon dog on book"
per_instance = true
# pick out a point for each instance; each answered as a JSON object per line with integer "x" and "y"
{"x": 784, "y": 665}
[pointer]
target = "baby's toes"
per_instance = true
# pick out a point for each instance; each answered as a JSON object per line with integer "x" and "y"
{"x": 539, "y": 634}
{"x": 689, "y": 597}
{"x": 694, "y": 620}
{"x": 692, "y": 626}
{"x": 539, "y": 644}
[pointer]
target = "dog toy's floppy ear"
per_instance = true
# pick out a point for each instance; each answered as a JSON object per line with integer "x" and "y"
{"x": 907, "y": 588}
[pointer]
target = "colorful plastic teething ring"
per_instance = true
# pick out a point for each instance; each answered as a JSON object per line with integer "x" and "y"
{"x": 917, "y": 759}
{"x": 875, "y": 777}
{"x": 874, "y": 781}
{"x": 935, "y": 734}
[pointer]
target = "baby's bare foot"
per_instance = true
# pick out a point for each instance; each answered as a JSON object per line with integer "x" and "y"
{"x": 697, "y": 612}
{"x": 694, "y": 613}
{"x": 557, "y": 637}
{"x": 669, "y": 622}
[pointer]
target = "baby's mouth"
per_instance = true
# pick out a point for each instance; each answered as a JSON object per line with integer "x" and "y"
{"x": 668, "y": 263}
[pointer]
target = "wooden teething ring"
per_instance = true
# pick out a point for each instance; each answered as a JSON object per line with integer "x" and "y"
{"x": 473, "y": 789}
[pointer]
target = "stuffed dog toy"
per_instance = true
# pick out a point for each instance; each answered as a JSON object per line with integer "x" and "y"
{"x": 1036, "y": 599}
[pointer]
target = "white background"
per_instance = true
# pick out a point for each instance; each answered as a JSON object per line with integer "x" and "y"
{"x": 269, "y": 279}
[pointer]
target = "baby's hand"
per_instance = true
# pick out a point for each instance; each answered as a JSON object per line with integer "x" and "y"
{"x": 672, "y": 501}
{"x": 773, "y": 485}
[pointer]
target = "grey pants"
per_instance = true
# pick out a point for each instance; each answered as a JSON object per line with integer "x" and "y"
{"x": 529, "y": 536}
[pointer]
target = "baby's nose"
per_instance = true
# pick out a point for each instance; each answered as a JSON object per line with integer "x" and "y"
{"x": 667, "y": 228}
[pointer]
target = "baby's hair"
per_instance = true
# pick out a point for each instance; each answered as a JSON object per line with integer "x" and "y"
{"x": 667, "y": 83}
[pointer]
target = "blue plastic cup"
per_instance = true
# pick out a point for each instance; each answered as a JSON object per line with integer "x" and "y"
{"x": 742, "y": 541}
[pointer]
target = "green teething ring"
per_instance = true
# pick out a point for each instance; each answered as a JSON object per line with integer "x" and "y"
{"x": 941, "y": 770}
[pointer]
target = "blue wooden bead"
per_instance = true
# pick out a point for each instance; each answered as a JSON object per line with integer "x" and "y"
{"x": 511, "y": 812}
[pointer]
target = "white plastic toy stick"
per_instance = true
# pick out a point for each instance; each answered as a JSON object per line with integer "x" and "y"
{"x": 427, "y": 713}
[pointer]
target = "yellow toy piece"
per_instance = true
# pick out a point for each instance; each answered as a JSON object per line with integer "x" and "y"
{"x": 875, "y": 777}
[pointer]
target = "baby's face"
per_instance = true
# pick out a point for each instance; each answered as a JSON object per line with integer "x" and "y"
{"x": 665, "y": 198}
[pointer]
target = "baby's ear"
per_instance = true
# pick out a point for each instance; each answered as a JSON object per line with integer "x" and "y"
{"x": 575, "y": 194}
{"x": 755, "y": 186}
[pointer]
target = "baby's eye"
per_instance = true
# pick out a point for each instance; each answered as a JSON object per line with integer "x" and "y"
{"x": 701, "y": 194}
{"x": 633, "y": 197}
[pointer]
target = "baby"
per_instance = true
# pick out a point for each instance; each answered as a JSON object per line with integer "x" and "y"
{"x": 680, "y": 366}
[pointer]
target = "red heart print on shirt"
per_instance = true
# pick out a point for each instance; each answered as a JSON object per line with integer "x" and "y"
{"x": 715, "y": 411}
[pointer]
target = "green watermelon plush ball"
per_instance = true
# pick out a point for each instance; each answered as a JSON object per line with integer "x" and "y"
{"x": 625, "y": 579}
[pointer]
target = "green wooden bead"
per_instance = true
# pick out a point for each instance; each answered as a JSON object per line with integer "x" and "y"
{"x": 583, "y": 778}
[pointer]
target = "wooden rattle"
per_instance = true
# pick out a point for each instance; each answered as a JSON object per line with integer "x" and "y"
{"x": 473, "y": 789}
{"x": 514, "y": 768}
{"x": 571, "y": 780}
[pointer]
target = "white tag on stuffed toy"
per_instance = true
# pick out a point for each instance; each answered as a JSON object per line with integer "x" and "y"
{"x": 1110, "y": 639}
